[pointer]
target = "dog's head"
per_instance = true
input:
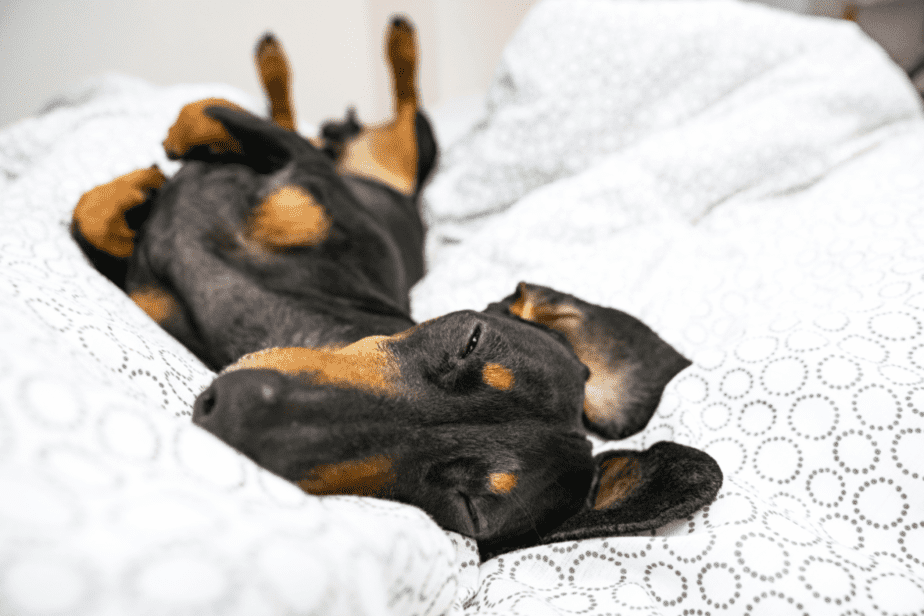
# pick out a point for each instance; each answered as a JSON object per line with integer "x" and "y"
{"x": 479, "y": 418}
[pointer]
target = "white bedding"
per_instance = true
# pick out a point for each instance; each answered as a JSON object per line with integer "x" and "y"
{"x": 747, "y": 182}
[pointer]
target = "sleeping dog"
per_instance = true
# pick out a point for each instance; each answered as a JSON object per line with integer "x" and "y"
{"x": 286, "y": 264}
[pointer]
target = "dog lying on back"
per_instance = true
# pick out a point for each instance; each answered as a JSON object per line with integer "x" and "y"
{"x": 286, "y": 264}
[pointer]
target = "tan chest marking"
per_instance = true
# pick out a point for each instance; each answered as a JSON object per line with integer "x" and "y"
{"x": 289, "y": 217}
{"x": 364, "y": 477}
{"x": 502, "y": 483}
{"x": 193, "y": 128}
{"x": 367, "y": 365}
{"x": 497, "y": 376}
{"x": 156, "y": 302}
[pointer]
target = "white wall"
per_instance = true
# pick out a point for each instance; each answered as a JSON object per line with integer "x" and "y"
{"x": 335, "y": 47}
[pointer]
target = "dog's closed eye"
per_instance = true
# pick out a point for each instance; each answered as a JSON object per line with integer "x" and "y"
{"x": 472, "y": 341}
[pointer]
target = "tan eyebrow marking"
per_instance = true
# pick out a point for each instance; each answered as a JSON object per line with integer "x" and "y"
{"x": 366, "y": 364}
{"x": 502, "y": 483}
{"x": 290, "y": 216}
{"x": 497, "y": 376}
{"x": 365, "y": 477}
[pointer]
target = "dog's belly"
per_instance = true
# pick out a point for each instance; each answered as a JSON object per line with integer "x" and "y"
{"x": 236, "y": 299}
{"x": 399, "y": 220}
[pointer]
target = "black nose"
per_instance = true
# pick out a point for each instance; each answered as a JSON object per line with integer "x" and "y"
{"x": 242, "y": 396}
{"x": 205, "y": 403}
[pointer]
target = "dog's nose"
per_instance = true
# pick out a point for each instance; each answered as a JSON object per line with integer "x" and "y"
{"x": 237, "y": 394}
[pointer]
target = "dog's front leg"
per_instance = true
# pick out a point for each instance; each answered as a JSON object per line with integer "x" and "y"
{"x": 99, "y": 216}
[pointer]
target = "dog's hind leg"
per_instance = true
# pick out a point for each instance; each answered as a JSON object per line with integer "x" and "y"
{"x": 273, "y": 67}
{"x": 388, "y": 152}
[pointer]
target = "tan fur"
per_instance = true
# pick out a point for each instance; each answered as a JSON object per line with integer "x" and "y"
{"x": 289, "y": 217}
{"x": 367, "y": 364}
{"x": 364, "y": 477}
{"x": 273, "y": 67}
{"x": 193, "y": 128}
{"x": 619, "y": 479}
{"x": 388, "y": 152}
{"x": 100, "y": 213}
{"x": 502, "y": 483}
{"x": 156, "y": 302}
{"x": 497, "y": 376}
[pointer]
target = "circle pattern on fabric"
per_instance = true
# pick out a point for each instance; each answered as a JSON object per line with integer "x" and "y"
{"x": 828, "y": 580}
{"x": 761, "y": 557}
{"x": 865, "y": 348}
{"x": 719, "y": 584}
{"x": 908, "y": 445}
{"x": 813, "y": 416}
{"x": 736, "y": 383}
{"x": 856, "y": 452}
{"x": 895, "y": 326}
{"x": 878, "y": 503}
{"x": 894, "y": 593}
{"x": 784, "y": 376}
{"x": 757, "y": 418}
{"x": 839, "y": 372}
{"x": 778, "y": 459}
{"x": 877, "y": 407}
{"x": 826, "y": 487}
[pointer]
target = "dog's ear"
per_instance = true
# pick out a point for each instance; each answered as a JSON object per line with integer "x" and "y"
{"x": 633, "y": 492}
{"x": 637, "y": 491}
{"x": 629, "y": 364}
{"x": 260, "y": 143}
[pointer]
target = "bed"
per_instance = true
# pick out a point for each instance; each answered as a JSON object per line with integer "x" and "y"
{"x": 749, "y": 183}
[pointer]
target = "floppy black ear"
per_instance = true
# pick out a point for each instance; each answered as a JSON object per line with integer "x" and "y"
{"x": 633, "y": 492}
{"x": 629, "y": 364}
{"x": 265, "y": 146}
{"x": 643, "y": 490}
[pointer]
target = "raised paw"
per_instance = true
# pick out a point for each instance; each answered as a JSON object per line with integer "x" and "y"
{"x": 273, "y": 67}
{"x": 401, "y": 50}
{"x": 193, "y": 128}
{"x": 100, "y": 213}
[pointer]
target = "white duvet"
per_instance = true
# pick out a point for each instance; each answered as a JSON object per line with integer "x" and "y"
{"x": 747, "y": 182}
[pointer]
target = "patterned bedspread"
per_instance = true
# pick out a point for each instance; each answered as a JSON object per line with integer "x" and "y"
{"x": 747, "y": 182}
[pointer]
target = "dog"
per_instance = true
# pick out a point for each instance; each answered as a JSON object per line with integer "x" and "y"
{"x": 285, "y": 263}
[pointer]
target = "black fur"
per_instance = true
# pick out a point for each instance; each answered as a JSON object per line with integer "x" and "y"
{"x": 449, "y": 430}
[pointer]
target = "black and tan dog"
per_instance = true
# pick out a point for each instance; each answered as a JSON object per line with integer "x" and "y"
{"x": 286, "y": 263}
